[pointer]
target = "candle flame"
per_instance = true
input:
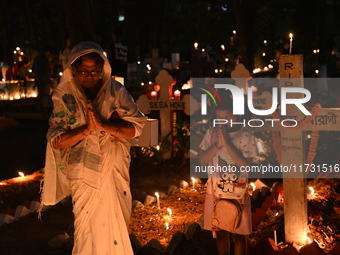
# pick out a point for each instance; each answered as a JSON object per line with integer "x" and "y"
{"x": 277, "y": 214}
{"x": 21, "y": 174}
{"x": 156, "y": 194}
{"x": 308, "y": 240}
{"x": 260, "y": 147}
{"x": 253, "y": 185}
{"x": 167, "y": 225}
{"x": 311, "y": 190}
{"x": 169, "y": 210}
{"x": 193, "y": 180}
{"x": 290, "y": 35}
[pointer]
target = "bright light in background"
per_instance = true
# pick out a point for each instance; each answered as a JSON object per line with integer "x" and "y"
{"x": 311, "y": 190}
{"x": 234, "y": 32}
{"x": 257, "y": 70}
{"x": 253, "y": 186}
{"x": 216, "y": 70}
{"x": 222, "y": 47}
{"x": 203, "y": 50}
{"x": 150, "y": 82}
{"x": 265, "y": 41}
{"x": 17, "y": 48}
{"x": 316, "y": 71}
{"x": 138, "y": 62}
{"x": 60, "y": 73}
{"x": 142, "y": 83}
{"x": 226, "y": 59}
{"x": 30, "y": 70}
{"x": 263, "y": 54}
{"x": 196, "y": 45}
{"x": 314, "y": 51}
{"x": 148, "y": 67}
{"x": 15, "y": 52}
{"x": 21, "y": 174}
{"x": 187, "y": 85}
{"x": 121, "y": 18}
{"x": 270, "y": 66}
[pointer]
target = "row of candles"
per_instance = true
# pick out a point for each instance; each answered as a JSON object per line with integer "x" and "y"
{"x": 177, "y": 95}
{"x": 169, "y": 216}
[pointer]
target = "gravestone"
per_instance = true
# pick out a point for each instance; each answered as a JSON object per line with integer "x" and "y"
{"x": 293, "y": 149}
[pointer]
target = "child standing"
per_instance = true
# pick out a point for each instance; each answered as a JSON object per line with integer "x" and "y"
{"x": 234, "y": 145}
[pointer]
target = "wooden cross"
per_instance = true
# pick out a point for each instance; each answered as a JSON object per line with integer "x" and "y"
{"x": 293, "y": 156}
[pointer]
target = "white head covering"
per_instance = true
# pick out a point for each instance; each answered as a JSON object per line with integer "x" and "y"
{"x": 82, "y": 49}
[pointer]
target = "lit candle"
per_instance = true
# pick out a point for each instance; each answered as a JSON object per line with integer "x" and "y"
{"x": 166, "y": 225}
{"x": 311, "y": 190}
{"x": 193, "y": 182}
{"x": 254, "y": 90}
{"x": 290, "y": 43}
{"x": 169, "y": 211}
{"x": 196, "y": 45}
{"x": 177, "y": 94}
{"x": 158, "y": 204}
{"x": 153, "y": 95}
{"x": 260, "y": 147}
{"x": 253, "y": 186}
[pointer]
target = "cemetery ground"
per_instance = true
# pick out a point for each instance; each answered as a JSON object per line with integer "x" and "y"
{"x": 29, "y": 235}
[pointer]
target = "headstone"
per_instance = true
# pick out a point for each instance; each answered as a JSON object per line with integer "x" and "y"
{"x": 183, "y": 184}
{"x": 136, "y": 205}
{"x": 154, "y": 247}
{"x": 172, "y": 190}
{"x": 189, "y": 233}
{"x": 240, "y": 74}
{"x": 177, "y": 240}
{"x": 6, "y": 218}
{"x": 34, "y": 206}
{"x": 149, "y": 200}
{"x": 21, "y": 211}
{"x": 59, "y": 241}
{"x": 136, "y": 245}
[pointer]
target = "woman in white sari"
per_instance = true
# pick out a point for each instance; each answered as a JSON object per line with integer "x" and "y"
{"x": 88, "y": 152}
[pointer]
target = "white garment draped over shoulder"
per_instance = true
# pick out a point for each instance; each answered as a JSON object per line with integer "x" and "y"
{"x": 95, "y": 171}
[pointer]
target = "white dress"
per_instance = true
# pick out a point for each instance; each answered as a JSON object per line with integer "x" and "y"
{"x": 244, "y": 141}
{"x": 95, "y": 171}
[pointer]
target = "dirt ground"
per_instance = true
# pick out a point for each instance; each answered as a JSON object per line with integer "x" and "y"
{"x": 23, "y": 149}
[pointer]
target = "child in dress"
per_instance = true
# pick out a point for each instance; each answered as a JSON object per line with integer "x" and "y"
{"x": 235, "y": 145}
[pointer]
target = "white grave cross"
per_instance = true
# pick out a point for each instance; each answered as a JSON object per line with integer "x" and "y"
{"x": 165, "y": 104}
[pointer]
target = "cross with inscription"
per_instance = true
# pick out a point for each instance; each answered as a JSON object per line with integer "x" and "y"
{"x": 292, "y": 147}
{"x": 166, "y": 104}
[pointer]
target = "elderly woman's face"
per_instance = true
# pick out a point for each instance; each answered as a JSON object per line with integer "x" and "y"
{"x": 88, "y": 73}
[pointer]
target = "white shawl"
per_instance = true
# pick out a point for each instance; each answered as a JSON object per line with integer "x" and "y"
{"x": 83, "y": 160}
